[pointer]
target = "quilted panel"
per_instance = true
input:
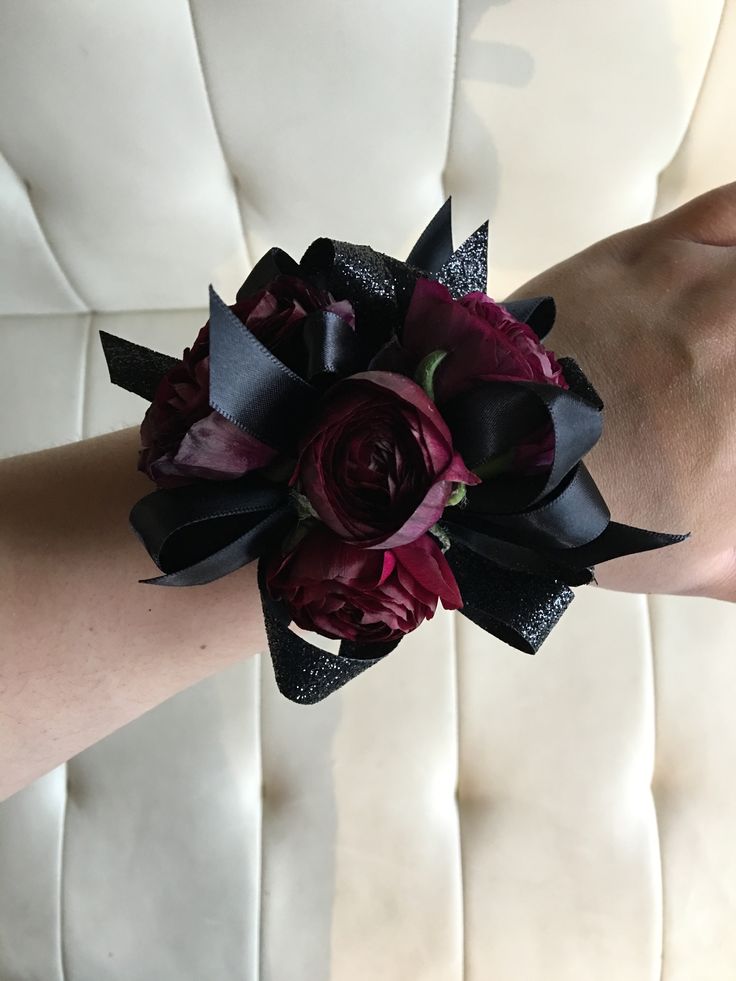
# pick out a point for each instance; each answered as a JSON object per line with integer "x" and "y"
{"x": 31, "y": 279}
{"x": 361, "y": 860}
{"x": 31, "y": 838}
{"x": 334, "y": 117}
{"x": 564, "y": 117}
{"x": 695, "y": 675}
{"x": 560, "y": 852}
{"x": 161, "y": 853}
{"x": 42, "y": 381}
{"x": 707, "y": 155}
{"x": 104, "y": 117}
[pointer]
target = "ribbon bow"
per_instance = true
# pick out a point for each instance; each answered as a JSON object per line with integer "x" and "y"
{"x": 518, "y": 544}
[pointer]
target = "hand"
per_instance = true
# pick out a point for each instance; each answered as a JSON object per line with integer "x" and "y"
{"x": 650, "y": 316}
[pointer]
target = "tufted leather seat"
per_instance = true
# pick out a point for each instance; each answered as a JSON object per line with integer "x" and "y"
{"x": 560, "y": 818}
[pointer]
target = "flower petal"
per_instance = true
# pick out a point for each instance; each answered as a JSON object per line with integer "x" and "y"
{"x": 217, "y": 449}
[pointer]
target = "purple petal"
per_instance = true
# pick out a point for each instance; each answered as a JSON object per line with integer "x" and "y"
{"x": 215, "y": 448}
{"x": 410, "y": 392}
{"x": 424, "y": 560}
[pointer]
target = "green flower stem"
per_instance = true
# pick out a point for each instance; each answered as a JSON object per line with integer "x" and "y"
{"x": 426, "y": 368}
{"x": 441, "y": 535}
{"x": 457, "y": 496}
{"x": 304, "y": 507}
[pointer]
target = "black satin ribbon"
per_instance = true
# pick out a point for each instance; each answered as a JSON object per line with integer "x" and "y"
{"x": 434, "y": 246}
{"x": 274, "y": 263}
{"x": 517, "y": 543}
{"x": 203, "y": 531}
{"x": 511, "y": 556}
{"x": 573, "y": 514}
{"x": 251, "y": 387}
{"x": 618, "y": 539}
{"x": 538, "y": 312}
{"x": 495, "y": 416}
{"x": 332, "y": 348}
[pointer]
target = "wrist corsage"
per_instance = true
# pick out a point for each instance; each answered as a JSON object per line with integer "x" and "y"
{"x": 380, "y": 436}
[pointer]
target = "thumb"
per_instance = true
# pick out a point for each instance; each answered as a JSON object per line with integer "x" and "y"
{"x": 710, "y": 218}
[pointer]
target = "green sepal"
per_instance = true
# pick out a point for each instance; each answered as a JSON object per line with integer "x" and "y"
{"x": 424, "y": 375}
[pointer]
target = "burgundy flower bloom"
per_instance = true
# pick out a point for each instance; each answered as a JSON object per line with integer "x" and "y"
{"x": 361, "y": 594}
{"x": 378, "y": 464}
{"x": 181, "y": 437}
{"x": 484, "y": 342}
{"x": 275, "y": 313}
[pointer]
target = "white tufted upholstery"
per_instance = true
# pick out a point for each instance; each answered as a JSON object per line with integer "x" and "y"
{"x": 560, "y": 818}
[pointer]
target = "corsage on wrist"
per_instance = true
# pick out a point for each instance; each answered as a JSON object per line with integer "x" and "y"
{"x": 380, "y": 436}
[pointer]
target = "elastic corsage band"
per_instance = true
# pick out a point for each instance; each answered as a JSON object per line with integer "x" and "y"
{"x": 381, "y": 436}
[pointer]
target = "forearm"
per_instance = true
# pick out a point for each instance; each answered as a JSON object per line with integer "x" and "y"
{"x": 84, "y": 647}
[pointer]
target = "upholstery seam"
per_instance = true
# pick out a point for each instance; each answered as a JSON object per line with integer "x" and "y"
{"x": 84, "y": 376}
{"x": 84, "y": 306}
{"x": 653, "y": 681}
{"x": 696, "y": 106}
{"x": 258, "y": 697}
{"x": 89, "y": 311}
{"x": 458, "y": 815}
{"x": 218, "y": 135}
{"x": 453, "y": 98}
{"x": 62, "y": 865}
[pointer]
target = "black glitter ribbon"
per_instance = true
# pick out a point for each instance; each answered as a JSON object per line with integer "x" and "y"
{"x": 517, "y": 544}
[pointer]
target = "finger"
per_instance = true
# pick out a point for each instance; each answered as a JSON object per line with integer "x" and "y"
{"x": 710, "y": 218}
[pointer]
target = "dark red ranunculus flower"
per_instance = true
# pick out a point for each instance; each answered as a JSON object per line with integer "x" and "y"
{"x": 181, "y": 437}
{"x": 378, "y": 465}
{"x": 484, "y": 342}
{"x": 365, "y": 595}
{"x": 274, "y": 314}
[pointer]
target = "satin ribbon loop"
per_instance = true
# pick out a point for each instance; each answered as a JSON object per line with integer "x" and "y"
{"x": 274, "y": 263}
{"x": 250, "y": 386}
{"x": 265, "y": 534}
{"x": 433, "y": 248}
{"x": 538, "y": 312}
{"x": 191, "y": 532}
{"x": 493, "y": 417}
{"x": 574, "y": 514}
{"x": 332, "y": 348}
{"x": 474, "y": 533}
{"x": 517, "y": 543}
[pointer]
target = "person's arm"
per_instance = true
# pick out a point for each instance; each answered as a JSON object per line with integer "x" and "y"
{"x": 84, "y": 647}
{"x": 650, "y": 315}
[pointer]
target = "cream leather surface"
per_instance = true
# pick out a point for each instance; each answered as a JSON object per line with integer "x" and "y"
{"x": 560, "y": 818}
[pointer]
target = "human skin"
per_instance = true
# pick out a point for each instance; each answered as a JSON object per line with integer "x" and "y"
{"x": 85, "y": 648}
{"x": 650, "y": 315}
